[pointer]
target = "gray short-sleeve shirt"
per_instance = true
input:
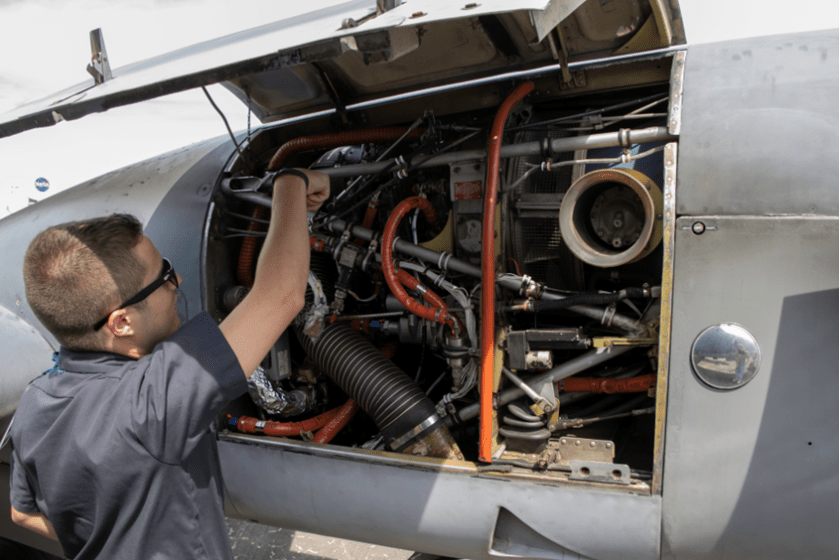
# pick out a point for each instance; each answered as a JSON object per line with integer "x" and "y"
{"x": 118, "y": 453}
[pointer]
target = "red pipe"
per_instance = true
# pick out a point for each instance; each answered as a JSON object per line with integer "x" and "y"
{"x": 244, "y": 272}
{"x": 488, "y": 270}
{"x": 608, "y": 386}
{"x": 438, "y": 314}
{"x": 428, "y": 295}
{"x": 248, "y": 425}
{"x": 338, "y": 139}
{"x": 331, "y": 429}
{"x": 247, "y": 254}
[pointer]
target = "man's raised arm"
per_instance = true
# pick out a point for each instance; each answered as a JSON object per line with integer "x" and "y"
{"x": 279, "y": 288}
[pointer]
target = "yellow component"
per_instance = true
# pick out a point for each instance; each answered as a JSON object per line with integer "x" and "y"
{"x": 609, "y": 341}
{"x": 444, "y": 241}
{"x": 645, "y": 39}
{"x": 500, "y": 341}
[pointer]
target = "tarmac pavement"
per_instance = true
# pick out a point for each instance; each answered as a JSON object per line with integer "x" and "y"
{"x": 253, "y": 541}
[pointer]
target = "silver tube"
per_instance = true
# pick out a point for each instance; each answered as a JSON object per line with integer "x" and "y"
{"x": 442, "y": 260}
{"x": 536, "y": 397}
{"x": 567, "y": 369}
{"x": 570, "y": 144}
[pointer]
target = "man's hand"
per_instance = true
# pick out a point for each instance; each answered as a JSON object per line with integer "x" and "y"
{"x": 318, "y": 190}
{"x": 36, "y": 522}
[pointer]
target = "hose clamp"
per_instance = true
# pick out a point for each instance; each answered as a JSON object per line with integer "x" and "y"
{"x": 416, "y": 431}
{"x": 608, "y": 315}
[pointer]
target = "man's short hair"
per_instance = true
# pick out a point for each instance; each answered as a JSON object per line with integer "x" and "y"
{"x": 77, "y": 272}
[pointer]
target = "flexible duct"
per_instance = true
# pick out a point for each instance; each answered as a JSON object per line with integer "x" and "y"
{"x": 406, "y": 417}
{"x": 488, "y": 270}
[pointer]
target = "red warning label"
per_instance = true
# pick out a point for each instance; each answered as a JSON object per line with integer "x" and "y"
{"x": 468, "y": 190}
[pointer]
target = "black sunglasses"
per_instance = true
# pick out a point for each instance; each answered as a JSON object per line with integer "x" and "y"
{"x": 167, "y": 275}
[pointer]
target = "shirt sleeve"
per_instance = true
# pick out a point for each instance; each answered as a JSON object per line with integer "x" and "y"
{"x": 21, "y": 493}
{"x": 181, "y": 387}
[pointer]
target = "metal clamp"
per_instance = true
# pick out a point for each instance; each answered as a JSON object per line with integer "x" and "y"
{"x": 410, "y": 434}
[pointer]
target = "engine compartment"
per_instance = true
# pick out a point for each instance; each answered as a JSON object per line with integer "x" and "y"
{"x": 387, "y": 355}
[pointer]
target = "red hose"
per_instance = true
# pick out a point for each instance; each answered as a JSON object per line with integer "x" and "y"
{"x": 338, "y": 139}
{"x": 248, "y": 425}
{"x": 488, "y": 270}
{"x": 247, "y": 254}
{"x": 244, "y": 271}
{"x": 429, "y": 295}
{"x": 608, "y": 386}
{"x": 438, "y": 314}
{"x": 341, "y": 419}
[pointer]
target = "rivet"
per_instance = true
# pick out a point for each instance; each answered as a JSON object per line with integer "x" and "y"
{"x": 578, "y": 442}
{"x": 563, "y": 441}
{"x": 592, "y": 444}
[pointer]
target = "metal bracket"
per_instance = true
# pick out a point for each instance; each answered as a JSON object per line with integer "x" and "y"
{"x": 610, "y": 341}
{"x": 99, "y": 67}
{"x": 607, "y": 473}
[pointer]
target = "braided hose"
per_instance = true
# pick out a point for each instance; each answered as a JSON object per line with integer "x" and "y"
{"x": 338, "y": 422}
{"x": 248, "y": 425}
{"x": 607, "y": 386}
{"x": 438, "y": 314}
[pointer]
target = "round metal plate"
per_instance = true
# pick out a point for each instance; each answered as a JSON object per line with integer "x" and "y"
{"x": 725, "y": 356}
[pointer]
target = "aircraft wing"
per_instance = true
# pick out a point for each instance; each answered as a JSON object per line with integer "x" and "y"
{"x": 287, "y": 68}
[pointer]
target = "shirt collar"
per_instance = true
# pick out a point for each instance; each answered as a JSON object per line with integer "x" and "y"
{"x": 90, "y": 362}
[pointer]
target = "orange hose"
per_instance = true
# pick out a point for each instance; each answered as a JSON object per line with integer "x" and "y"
{"x": 338, "y": 139}
{"x": 608, "y": 386}
{"x": 439, "y": 314}
{"x": 488, "y": 270}
{"x": 341, "y": 419}
{"x": 429, "y": 295}
{"x": 248, "y": 425}
{"x": 244, "y": 271}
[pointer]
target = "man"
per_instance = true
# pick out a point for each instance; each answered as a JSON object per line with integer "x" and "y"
{"x": 112, "y": 450}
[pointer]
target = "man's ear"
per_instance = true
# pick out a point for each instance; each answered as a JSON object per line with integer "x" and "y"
{"x": 119, "y": 323}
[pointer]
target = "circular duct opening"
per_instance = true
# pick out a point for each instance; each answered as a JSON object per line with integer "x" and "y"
{"x": 611, "y": 217}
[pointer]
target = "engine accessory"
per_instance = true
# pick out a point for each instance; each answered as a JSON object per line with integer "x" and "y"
{"x": 388, "y": 395}
{"x": 612, "y": 217}
{"x": 274, "y": 400}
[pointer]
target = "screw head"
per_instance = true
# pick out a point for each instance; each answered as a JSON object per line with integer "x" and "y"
{"x": 698, "y": 228}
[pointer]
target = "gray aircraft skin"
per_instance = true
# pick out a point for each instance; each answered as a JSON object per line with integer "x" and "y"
{"x": 680, "y": 198}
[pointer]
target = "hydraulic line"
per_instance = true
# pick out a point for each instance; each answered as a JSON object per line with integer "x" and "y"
{"x": 438, "y": 314}
{"x": 247, "y": 254}
{"x": 337, "y": 423}
{"x": 488, "y": 270}
{"x": 567, "y": 369}
{"x": 338, "y": 139}
{"x": 248, "y": 425}
{"x": 607, "y": 386}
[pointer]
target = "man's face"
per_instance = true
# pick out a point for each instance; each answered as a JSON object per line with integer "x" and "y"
{"x": 158, "y": 319}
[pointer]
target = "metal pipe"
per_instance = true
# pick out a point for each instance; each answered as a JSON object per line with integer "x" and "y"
{"x": 567, "y": 369}
{"x": 625, "y": 136}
